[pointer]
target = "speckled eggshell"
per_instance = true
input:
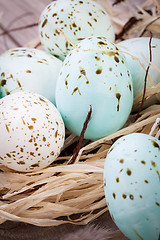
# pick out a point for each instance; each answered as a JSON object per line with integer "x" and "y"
{"x": 77, "y": 20}
{"x": 132, "y": 185}
{"x": 29, "y": 69}
{"x": 31, "y": 131}
{"x": 136, "y": 47}
{"x": 96, "y": 77}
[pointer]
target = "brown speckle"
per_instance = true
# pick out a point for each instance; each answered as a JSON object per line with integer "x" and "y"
{"x": 121, "y": 160}
{"x": 102, "y": 43}
{"x": 153, "y": 163}
{"x": 7, "y": 127}
{"x": 99, "y": 71}
{"x": 28, "y": 71}
{"x": 97, "y": 58}
{"x": 143, "y": 162}
{"x": 19, "y": 84}
{"x": 74, "y": 25}
{"x": 131, "y": 197}
{"x": 114, "y": 195}
{"x": 155, "y": 144}
{"x": 117, "y": 179}
{"x": 35, "y": 165}
{"x": 2, "y": 74}
{"x": 8, "y": 155}
{"x": 44, "y": 139}
{"x": 124, "y": 196}
{"x": 82, "y": 71}
{"x": 129, "y": 172}
{"x": 21, "y": 162}
{"x": 146, "y": 181}
{"x": 32, "y": 153}
{"x": 44, "y": 23}
{"x": 3, "y": 82}
{"x": 90, "y": 24}
{"x": 56, "y": 134}
{"x": 33, "y": 119}
{"x": 130, "y": 88}
{"x": 29, "y": 55}
{"x": 76, "y": 89}
{"x": 118, "y": 96}
{"x": 42, "y": 99}
{"x": 52, "y": 153}
{"x": 30, "y": 127}
{"x": 116, "y": 59}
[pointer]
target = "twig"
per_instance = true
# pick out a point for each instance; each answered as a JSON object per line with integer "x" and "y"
{"x": 17, "y": 29}
{"x": 132, "y": 21}
{"x": 116, "y": 2}
{"x": 145, "y": 29}
{"x": 77, "y": 149}
{"x": 145, "y": 79}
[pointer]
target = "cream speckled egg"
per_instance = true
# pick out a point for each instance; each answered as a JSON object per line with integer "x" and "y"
{"x": 94, "y": 74}
{"x": 28, "y": 69}
{"x": 77, "y": 20}
{"x": 132, "y": 185}
{"x": 31, "y": 131}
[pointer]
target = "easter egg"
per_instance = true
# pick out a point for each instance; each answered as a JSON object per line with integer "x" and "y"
{"x": 28, "y": 69}
{"x": 77, "y": 20}
{"x": 32, "y": 132}
{"x": 132, "y": 185}
{"x": 137, "y": 53}
{"x": 94, "y": 74}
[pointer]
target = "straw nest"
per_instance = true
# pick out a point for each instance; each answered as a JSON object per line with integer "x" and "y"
{"x": 74, "y": 193}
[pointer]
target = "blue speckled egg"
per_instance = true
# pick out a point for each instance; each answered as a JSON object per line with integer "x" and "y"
{"x": 77, "y": 20}
{"x": 29, "y": 69}
{"x": 139, "y": 47}
{"x": 94, "y": 74}
{"x": 132, "y": 185}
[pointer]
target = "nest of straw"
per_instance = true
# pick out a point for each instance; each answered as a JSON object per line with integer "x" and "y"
{"x": 74, "y": 193}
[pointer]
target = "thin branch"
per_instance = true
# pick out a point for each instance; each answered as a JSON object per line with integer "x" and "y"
{"x": 148, "y": 26}
{"x": 77, "y": 149}
{"x": 145, "y": 79}
{"x": 18, "y": 28}
{"x": 116, "y": 2}
{"x": 132, "y": 21}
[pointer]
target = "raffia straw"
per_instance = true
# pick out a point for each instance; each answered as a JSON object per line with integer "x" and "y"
{"x": 44, "y": 199}
{"x": 41, "y": 197}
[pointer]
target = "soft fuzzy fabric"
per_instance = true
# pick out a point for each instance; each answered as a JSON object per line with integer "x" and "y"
{"x": 92, "y": 232}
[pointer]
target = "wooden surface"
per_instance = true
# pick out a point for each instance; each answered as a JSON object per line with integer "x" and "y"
{"x": 19, "y": 13}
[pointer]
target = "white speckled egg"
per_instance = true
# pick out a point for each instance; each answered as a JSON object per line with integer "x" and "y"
{"x": 29, "y": 70}
{"x": 96, "y": 77}
{"x": 132, "y": 185}
{"x": 77, "y": 20}
{"x": 32, "y": 131}
{"x": 136, "y": 47}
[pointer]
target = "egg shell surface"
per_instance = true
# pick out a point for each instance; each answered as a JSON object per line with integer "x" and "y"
{"x": 28, "y": 69}
{"x": 139, "y": 47}
{"x": 77, "y": 20}
{"x": 32, "y": 132}
{"x": 132, "y": 185}
{"x": 94, "y": 74}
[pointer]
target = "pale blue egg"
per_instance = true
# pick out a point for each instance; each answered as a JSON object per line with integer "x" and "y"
{"x": 77, "y": 20}
{"x": 132, "y": 185}
{"x": 29, "y": 69}
{"x": 137, "y": 48}
{"x": 94, "y": 74}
